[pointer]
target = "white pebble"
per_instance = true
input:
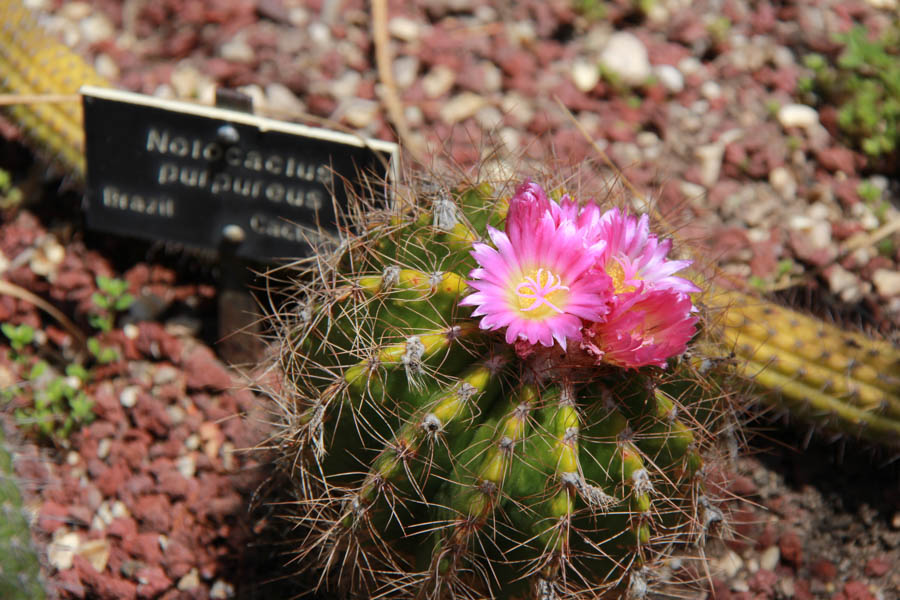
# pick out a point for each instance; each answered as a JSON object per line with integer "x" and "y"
{"x": 782, "y": 180}
{"x": 438, "y": 81}
{"x": 103, "y": 447}
{"x": 769, "y": 558}
{"x": 186, "y": 465}
{"x": 887, "y": 282}
{"x": 670, "y": 77}
{"x": 711, "y": 90}
{"x": 61, "y": 552}
{"x": 280, "y": 99}
{"x": 731, "y": 563}
{"x": 710, "y": 157}
{"x": 844, "y": 284}
{"x": 106, "y": 66}
{"x": 320, "y": 33}
{"x": 404, "y": 29}
{"x": 626, "y": 56}
{"x": 128, "y": 397}
{"x": 461, "y": 107}
{"x": 585, "y": 75}
{"x": 406, "y": 68}
{"x": 689, "y": 65}
{"x": 237, "y": 50}
{"x": 359, "y": 112}
{"x": 221, "y": 590}
{"x": 798, "y": 115}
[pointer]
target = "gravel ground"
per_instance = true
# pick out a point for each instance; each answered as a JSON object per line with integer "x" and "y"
{"x": 149, "y": 501}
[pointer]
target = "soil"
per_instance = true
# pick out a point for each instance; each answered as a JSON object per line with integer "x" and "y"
{"x": 160, "y": 497}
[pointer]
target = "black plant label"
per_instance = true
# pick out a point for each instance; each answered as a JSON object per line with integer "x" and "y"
{"x": 211, "y": 177}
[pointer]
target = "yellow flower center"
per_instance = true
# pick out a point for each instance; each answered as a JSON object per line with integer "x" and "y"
{"x": 615, "y": 270}
{"x": 540, "y": 294}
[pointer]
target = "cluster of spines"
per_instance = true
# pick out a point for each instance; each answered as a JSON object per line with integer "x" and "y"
{"x": 34, "y": 63}
{"x": 409, "y": 427}
{"x": 20, "y": 569}
{"x": 817, "y": 372}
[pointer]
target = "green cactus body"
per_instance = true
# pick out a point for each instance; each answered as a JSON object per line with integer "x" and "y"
{"x": 430, "y": 460}
{"x": 20, "y": 568}
{"x": 822, "y": 374}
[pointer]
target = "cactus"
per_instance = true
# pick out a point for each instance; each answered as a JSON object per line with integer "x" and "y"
{"x": 429, "y": 457}
{"x": 816, "y": 372}
{"x": 20, "y": 568}
{"x": 33, "y": 62}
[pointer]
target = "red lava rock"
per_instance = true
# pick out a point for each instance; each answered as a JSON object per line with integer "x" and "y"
{"x": 86, "y": 572}
{"x": 149, "y": 414}
{"x": 824, "y": 570}
{"x": 230, "y": 504}
{"x": 791, "y": 548}
{"x": 855, "y": 590}
{"x": 114, "y": 588}
{"x": 203, "y": 370}
{"x": 767, "y": 536}
{"x": 720, "y": 590}
{"x": 52, "y": 516}
{"x": 152, "y": 581}
{"x": 154, "y": 341}
{"x": 174, "y": 484}
{"x": 144, "y": 547}
{"x": 801, "y": 590}
{"x": 837, "y": 159}
{"x": 878, "y": 566}
{"x": 153, "y": 510}
{"x": 763, "y": 582}
{"x": 179, "y": 559}
{"x": 69, "y": 582}
{"x": 108, "y": 407}
{"x": 846, "y": 191}
{"x": 122, "y": 527}
{"x": 765, "y": 259}
{"x": 137, "y": 485}
{"x": 110, "y": 481}
{"x": 816, "y": 255}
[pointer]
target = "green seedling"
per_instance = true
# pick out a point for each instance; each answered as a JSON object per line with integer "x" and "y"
{"x": 102, "y": 354}
{"x": 20, "y": 336}
{"x": 864, "y": 83}
{"x": 111, "y": 298}
{"x": 59, "y": 402}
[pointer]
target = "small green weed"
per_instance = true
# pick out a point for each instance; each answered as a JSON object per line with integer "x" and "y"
{"x": 111, "y": 299}
{"x": 59, "y": 402}
{"x": 10, "y": 196}
{"x": 864, "y": 83}
{"x": 20, "y": 336}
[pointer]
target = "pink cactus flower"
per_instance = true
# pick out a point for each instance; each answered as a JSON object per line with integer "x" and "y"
{"x": 643, "y": 329}
{"x": 634, "y": 258}
{"x": 562, "y": 272}
{"x": 538, "y": 280}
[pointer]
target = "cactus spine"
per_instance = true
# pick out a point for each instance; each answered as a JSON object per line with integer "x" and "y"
{"x": 429, "y": 459}
{"x": 20, "y": 568}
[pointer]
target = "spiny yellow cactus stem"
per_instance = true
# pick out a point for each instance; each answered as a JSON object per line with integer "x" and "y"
{"x": 33, "y": 62}
{"x": 842, "y": 380}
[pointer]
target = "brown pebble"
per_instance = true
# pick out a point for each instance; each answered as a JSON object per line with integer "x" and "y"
{"x": 878, "y": 566}
{"x": 791, "y": 548}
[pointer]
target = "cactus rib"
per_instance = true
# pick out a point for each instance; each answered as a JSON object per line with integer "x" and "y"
{"x": 841, "y": 380}
{"x": 33, "y": 62}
